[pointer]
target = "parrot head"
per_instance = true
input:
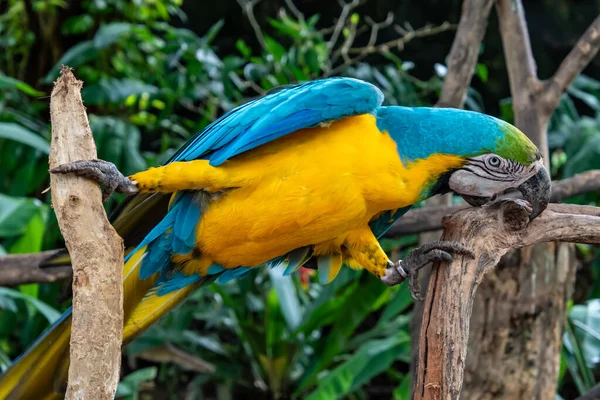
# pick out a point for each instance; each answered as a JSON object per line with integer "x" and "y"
{"x": 492, "y": 155}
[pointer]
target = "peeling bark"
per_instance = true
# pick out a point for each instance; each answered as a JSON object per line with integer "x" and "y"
{"x": 517, "y": 325}
{"x": 491, "y": 232}
{"x": 95, "y": 248}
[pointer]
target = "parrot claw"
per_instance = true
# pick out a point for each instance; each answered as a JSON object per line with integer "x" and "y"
{"x": 102, "y": 172}
{"x": 408, "y": 269}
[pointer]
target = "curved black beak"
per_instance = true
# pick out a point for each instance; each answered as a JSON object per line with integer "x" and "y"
{"x": 537, "y": 192}
{"x": 476, "y": 201}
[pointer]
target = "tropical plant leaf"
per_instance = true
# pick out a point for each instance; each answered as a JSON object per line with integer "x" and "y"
{"x": 48, "y": 312}
{"x": 18, "y": 133}
{"x": 366, "y": 298}
{"x": 15, "y": 214}
{"x": 6, "y": 82}
{"x": 370, "y": 360}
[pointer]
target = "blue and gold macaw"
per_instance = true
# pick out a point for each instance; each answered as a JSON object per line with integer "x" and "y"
{"x": 310, "y": 173}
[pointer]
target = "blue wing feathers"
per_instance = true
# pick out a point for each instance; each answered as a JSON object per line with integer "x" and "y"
{"x": 251, "y": 124}
{"x": 184, "y": 228}
{"x": 232, "y": 274}
{"x": 158, "y": 256}
{"x": 174, "y": 282}
{"x": 215, "y": 269}
{"x": 269, "y": 132}
{"x": 246, "y": 127}
{"x": 385, "y": 221}
{"x": 165, "y": 224}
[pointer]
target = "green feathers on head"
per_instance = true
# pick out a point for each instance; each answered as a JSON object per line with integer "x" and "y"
{"x": 516, "y": 146}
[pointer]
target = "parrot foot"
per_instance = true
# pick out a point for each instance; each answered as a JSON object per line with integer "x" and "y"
{"x": 408, "y": 269}
{"x": 102, "y": 172}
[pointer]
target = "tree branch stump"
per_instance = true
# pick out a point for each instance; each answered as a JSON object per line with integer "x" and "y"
{"x": 96, "y": 251}
{"x": 491, "y": 232}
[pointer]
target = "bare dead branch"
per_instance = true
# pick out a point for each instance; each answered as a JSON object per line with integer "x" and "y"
{"x": 425, "y": 219}
{"x": 517, "y": 49}
{"x": 341, "y": 22}
{"x": 290, "y": 4}
{"x": 95, "y": 248}
{"x": 585, "y": 182}
{"x": 244, "y": 84}
{"x": 18, "y": 269}
{"x": 346, "y": 45}
{"x": 465, "y": 50}
{"x": 346, "y": 50}
{"x": 397, "y": 43}
{"x": 577, "y": 59}
{"x": 491, "y": 232}
{"x": 376, "y": 27}
{"x": 248, "y": 8}
{"x": 522, "y": 76}
{"x": 169, "y": 353}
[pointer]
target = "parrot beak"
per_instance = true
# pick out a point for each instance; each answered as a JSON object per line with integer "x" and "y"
{"x": 476, "y": 201}
{"x": 537, "y": 191}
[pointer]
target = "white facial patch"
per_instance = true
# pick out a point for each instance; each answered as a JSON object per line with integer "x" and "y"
{"x": 490, "y": 174}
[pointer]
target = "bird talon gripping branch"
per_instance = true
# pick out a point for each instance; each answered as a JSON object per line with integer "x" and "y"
{"x": 102, "y": 172}
{"x": 408, "y": 269}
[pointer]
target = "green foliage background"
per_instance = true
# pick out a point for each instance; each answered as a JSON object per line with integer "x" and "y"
{"x": 150, "y": 84}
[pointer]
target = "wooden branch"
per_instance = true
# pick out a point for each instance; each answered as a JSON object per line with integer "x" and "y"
{"x": 513, "y": 28}
{"x": 425, "y": 219}
{"x": 464, "y": 52}
{"x": 522, "y": 72}
{"x": 585, "y": 182}
{"x": 491, "y": 232}
{"x": 17, "y": 269}
{"x": 96, "y": 251}
{"x": 248, "y": 9}
{"x": 573, "y": 64}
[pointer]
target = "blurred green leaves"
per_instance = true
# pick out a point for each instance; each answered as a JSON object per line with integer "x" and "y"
{"x": 34, "y": 304}
{"x": 16, "y": 214}
{"x": 573, "y": 138}
{"x": 371, "y": 359}
{"x": 18, "y": 133}
{"x": 340, "y": 337}
{"x": 6, "y": 82}
{"x": 581, "y": 344}
{"x": 129, "y": 387}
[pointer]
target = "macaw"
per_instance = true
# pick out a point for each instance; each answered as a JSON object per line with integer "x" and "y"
{"x": 312, "y": 173}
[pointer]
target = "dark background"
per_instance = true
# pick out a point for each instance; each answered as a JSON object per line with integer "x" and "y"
{"x": 554, "y": 27}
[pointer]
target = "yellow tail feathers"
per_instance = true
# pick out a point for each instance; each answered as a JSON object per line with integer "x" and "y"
{"x": 41, "y": 373}
{"x": 34, "y": 375}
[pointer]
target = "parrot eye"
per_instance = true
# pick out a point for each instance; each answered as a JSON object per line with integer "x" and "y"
{"x": 494, "y": 161}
